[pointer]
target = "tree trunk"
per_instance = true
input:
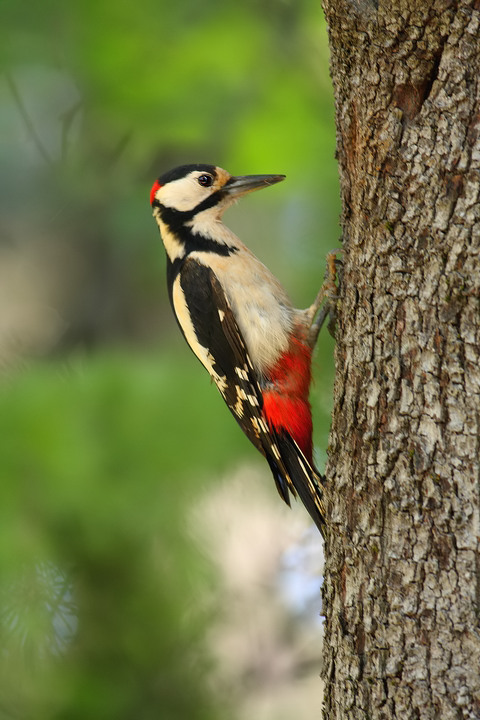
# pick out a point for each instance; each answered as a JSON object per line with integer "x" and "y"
{"x": 402, "y": 585}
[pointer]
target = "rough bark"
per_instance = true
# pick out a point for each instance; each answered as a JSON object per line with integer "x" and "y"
{"x": 402, "y": 585}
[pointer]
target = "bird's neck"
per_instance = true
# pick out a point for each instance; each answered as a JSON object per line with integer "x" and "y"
{"x": 183, "y": 233}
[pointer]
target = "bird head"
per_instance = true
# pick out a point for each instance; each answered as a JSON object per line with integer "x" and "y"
{"x": 191, "y": 189}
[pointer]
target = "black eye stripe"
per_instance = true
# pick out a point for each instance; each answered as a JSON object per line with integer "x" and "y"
{"x": 205, "y": 180}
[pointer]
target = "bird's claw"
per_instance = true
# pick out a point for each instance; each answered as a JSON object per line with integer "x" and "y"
{"x": 329, "y": 292}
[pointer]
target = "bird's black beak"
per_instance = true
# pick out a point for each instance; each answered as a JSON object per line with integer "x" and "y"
{"x": 242, "y": 184}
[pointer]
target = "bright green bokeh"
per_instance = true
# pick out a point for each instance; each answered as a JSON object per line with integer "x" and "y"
{"x": 103, "y": 457}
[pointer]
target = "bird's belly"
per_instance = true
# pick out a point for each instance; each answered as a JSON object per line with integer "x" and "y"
{"x": 259, "y": 303}
{"x": 265, "y": 319}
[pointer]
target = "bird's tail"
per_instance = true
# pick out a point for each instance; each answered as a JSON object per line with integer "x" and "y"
{"x": 294, "y": 473}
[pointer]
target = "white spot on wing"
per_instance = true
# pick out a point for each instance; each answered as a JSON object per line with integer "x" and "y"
{"x": 238, "y": 408}
{"x": 220, "y": 380}
{"x": 242, "y": 374}
{"x": 263, "y": 425}
{"x": 256, "y": 426}
{"x": 275, "y": 451}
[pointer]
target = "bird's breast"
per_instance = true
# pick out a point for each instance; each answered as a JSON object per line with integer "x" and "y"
{"x": 261, "y": 306}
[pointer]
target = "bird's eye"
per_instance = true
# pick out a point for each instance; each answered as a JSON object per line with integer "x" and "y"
{"x": 205, "y": 180}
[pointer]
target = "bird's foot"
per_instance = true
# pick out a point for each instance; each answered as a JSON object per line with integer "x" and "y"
{"x": 329, "y": 292}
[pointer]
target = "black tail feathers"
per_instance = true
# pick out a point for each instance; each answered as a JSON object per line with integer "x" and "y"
{"x": 293, "y": 473}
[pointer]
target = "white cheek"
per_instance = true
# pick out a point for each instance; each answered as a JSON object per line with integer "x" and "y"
{"x": 183, "y": 194}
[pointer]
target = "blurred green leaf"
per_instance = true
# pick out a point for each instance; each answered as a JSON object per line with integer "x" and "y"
{"x": 101, "y": 606}
{"x": 100, "y": 468}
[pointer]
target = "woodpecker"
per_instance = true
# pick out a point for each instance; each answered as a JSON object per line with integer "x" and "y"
{"x": 240, "y": 323}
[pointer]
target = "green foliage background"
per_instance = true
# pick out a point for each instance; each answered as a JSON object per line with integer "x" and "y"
{"x": 108, "y": 437}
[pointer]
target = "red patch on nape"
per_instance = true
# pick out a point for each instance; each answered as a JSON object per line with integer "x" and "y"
{"x": 156, "y": 186}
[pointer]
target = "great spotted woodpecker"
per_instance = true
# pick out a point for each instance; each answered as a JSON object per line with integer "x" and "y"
{"x": 240, "y": 323}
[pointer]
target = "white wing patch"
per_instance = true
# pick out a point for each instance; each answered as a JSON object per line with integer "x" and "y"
{"x": 202, "y": 353}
